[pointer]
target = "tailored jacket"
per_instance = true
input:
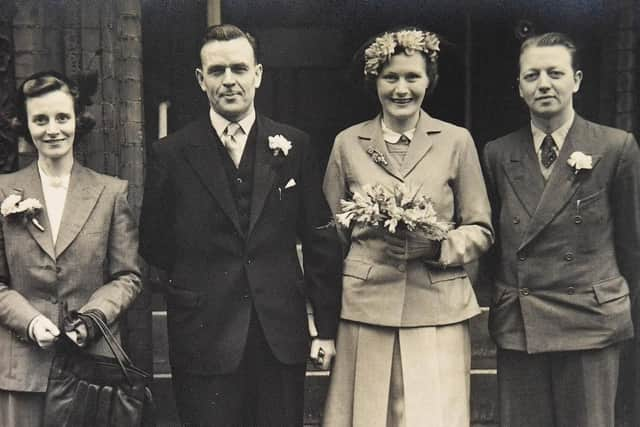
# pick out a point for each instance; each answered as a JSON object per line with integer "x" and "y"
{"x": 567, "y": 252}
{"x": 190, "y": 228}
{"x": 442, "y": 161}
{"x": 93, "y": 265}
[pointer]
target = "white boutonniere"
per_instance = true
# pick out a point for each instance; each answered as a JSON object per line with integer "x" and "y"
{"x": 16, "y": 206}
{"x": 579, "y": 161}
{"x": 279, "y": 144}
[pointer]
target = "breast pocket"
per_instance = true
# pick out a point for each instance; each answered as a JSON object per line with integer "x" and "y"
{"x": 591, "y": 220}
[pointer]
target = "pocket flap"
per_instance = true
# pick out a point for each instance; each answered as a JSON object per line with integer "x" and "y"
{"x": 441, "y": 275}
{"x": 610, "y": 290}
{"x": 183, "y": 297}
{"x": 357, "y": 269}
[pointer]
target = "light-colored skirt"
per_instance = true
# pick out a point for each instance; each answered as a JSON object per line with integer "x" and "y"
{"x": 21, "y": 409}
{"x": 400, "y": 377}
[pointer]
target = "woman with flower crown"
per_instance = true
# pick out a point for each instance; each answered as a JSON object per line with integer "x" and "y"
{"x": 403, "y": 347}
{"x": 68, "y": 244}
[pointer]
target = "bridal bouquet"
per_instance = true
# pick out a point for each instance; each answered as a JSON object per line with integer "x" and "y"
{"x": 393, "y": 209}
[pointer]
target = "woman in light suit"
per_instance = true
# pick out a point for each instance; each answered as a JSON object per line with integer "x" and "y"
{"x": 78, "y": 251}
{"x": 403, "y": 348}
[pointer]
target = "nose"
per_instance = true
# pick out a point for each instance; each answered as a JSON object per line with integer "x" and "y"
{"x": 544, "y": 82}
{"x": 401, "y": 87}
{"x": 228, "y": 79}
{"x": 52, "y": 128}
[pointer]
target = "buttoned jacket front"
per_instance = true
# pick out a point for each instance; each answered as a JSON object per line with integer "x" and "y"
{"x": 567, "y": 252}
{"x": 93, "y": 265}
{"x": 442, "y": 161}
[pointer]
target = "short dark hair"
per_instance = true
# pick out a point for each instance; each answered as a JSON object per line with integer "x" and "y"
{"x": 369, "y": 81}
{"x": 226, "y": 32}
{"x": 44, "y": 82}
{"x": 553, "y": 39}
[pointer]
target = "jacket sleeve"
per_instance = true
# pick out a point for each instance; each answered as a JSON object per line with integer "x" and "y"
{"x": 123, "y": 266}
{"x": 156, "y": 218}
{"x": 625, "y": 202}
{"x": 473, "y": 233}
{"x": 335, "y": 188}
{"x": 322, "y": 256}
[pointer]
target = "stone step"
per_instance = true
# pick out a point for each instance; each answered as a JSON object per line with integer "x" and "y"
{"x": 483, "y": 407}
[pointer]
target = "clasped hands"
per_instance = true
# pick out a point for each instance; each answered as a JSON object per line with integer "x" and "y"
{"x": 322, "y": 352}
{"x": 406, "y": 246}
{"x": 45, "y": 333}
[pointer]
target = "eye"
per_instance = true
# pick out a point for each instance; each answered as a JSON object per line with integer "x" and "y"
{"x": 239, "y": 68}
{"x": 530, "y": 76}
{"x": 40, "y": 119}
{"x": 63, "y": 118}
{"x": 412, "y": 77}
{"x": 216, "y": 70}
{"x": 556, "y": 74}
{"x": 390, "y": 77}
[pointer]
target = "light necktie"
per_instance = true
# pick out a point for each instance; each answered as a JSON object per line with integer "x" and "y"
{"x": 548, "y": 151}
{"x": 231, "y": 143}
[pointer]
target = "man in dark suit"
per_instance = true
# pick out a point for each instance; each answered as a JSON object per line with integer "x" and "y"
{"x": 226, "y": 199}
{"x": 565, "y": 195}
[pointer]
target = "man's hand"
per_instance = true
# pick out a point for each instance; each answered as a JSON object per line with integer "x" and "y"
{"x": 322, "y": 352}
{"x": 43, "y": 331}
{"x": 405, "y": 246}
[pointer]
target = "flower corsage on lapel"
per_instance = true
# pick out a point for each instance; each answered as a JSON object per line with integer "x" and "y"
{"x": 376, "y": 156}
{"x": 16, "y": 206}
{"x": 580, "y": 161}
{"x": 279, "y": 145}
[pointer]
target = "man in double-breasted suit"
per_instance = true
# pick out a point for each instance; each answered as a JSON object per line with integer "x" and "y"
{"x": 226, "y": 199}
{"x": 565, "y": 194}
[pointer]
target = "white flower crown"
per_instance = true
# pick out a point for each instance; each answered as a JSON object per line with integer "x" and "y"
{"x": 381, "y": 50}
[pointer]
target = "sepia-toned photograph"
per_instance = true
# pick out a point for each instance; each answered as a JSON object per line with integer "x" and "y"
{"x": 305, "y": 213}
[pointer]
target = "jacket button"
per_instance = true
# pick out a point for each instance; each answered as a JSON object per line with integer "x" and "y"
{"x": 577, "y": 219}
{"x": 568, "y": 256}
{"x": 58, "y": 270}
{"x": 401, "y": 267}
{"x": 522, "y": 257}
{"x": 516, "y": 220}
{"x": 53, "y": 300}
{"x": 245, "y": 296}
{"x": 249, "y": 261}
{"x": 571, "y": 290}
{"x": 524, "y": 292}
{"x": 239, "y": 180}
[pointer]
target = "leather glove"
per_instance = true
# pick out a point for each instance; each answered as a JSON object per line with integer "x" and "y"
{"x": 407, "y": 245}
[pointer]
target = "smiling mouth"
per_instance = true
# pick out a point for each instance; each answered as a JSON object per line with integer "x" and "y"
{"x": 54, "y": 141}
{"x": 545, "y": 98}
{"x": 401, "y": 101}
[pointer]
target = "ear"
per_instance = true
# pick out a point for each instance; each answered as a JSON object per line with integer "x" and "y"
{"x": 577, "y": 80}
{"x": 258, "y": 76}
{"x": 200, "y": 79}
{"x": 519, "y": 87}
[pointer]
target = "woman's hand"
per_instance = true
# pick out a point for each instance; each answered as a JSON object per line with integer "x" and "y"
{"x": 79, "y": 334}
{"x": 43, "y": 331}
{"x": 406, "y": 246}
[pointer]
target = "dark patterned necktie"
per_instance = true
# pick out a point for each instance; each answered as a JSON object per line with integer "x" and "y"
{"x": 548, "y": 151}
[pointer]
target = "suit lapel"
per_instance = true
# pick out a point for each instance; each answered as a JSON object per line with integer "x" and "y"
{"x": 562, "y": 183}
{"x": 82, "y": 196}
{"x": 522, "y": 169}
{"x": 264, "y": 175}
{"x": 372, "y": 142}
{"x": 33, "y": 188}
{"x": 426, "y": 130}
{"x": 205, "y": 159}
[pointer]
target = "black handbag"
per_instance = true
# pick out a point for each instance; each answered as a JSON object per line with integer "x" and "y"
{"x": 96, "y": 391}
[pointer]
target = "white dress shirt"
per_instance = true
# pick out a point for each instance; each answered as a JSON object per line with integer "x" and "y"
{"x": 54, "y": 190}
{"x": 219, "y": 123}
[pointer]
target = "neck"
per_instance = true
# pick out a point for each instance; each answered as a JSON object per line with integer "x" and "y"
{"x": 400, "y": 125}
{"x": 56, "y": 167}
{"x": 551, "y": 124}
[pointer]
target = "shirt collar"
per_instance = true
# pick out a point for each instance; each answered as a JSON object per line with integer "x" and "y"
{"x": 219, "y": 123}
{"x": 559, "y": 135}
{"x": 392, "y": 136}
{"x": 53, "y": 181}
